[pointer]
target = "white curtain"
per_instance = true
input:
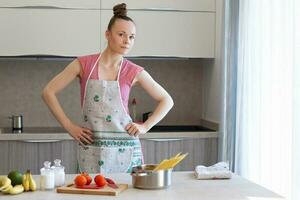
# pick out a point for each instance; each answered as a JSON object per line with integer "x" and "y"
{"x": 268, "y": 96}
{"x": 295, "y": 173}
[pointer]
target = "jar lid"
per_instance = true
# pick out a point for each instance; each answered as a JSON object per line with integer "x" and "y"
{"x": 47, "y": 164}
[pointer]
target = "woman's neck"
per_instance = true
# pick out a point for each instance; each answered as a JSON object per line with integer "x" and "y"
{"x": 110, "y": 59}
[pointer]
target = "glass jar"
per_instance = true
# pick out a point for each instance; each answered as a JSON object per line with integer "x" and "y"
{"x": 59, "y": 173}
{"x": 47, "y": 177}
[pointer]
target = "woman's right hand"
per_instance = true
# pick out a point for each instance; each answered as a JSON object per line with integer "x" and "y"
{"x": 57, "y": 84}
{"x": 82, "y": 135}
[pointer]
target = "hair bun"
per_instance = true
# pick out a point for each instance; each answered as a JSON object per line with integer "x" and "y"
{"x": 120, "y": 10}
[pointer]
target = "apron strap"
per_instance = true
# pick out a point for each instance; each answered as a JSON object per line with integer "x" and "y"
{"x": 83, "y": 101}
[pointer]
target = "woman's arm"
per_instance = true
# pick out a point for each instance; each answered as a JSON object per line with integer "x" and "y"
{"x": 157, "y": 92}
{"x": 57, "y": 84}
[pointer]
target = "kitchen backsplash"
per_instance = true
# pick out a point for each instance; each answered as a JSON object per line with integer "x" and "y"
{"x": 22, "y": 81}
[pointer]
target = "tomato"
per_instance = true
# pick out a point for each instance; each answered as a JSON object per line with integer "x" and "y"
{"x": 88, "y": 177}
{"x": 100, "y": 180}
{"x": 80, "y": 180}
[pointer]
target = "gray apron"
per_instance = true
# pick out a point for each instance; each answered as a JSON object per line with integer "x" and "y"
{"x": 113, "y": 149}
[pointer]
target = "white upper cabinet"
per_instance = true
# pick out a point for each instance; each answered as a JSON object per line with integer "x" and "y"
{"x": 49, "y": 27}
{"x": 81, "y": 4}
{"x": 187, "y": 5}
{"x": 167, "y": 28}
{"x": 61, "y": 32}
{"x": 169, "y": 33}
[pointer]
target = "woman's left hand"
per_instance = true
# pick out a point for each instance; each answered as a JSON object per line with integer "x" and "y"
{"x": 135, "y": 129}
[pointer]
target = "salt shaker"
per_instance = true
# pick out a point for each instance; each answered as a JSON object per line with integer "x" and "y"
{"x": 59, "y": 173}
{"x": 47, "y": 177}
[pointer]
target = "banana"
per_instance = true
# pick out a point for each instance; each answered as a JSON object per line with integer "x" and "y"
{"x": 7, "y": 189}
{"x": 32, "y": 183}
{"x": 25, "y": 182}
{"x": 4, "y": 182}
{"x": 17, "y": 189}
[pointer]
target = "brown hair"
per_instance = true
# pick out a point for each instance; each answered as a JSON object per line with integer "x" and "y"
{"x": 120, "y": 12}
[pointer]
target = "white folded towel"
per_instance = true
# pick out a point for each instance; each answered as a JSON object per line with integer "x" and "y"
{"x": 217, "y": 171}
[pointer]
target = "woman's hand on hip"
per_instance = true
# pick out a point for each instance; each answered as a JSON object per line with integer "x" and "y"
{"x": 135, "y": 129}
{"x": 82, "y": 135}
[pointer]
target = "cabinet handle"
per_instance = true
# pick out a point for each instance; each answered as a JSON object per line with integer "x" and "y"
{"x": 165, "y": 139}
{"x": 166, "y": 9}
{"x": 48, "y": 7}
{"x": 40, "y": 141}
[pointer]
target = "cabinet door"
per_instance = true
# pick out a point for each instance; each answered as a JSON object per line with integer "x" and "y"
{"x": 190, "y": 5}
{"x": 61, "y": 32}
{"x": 90, "y": 4}
{"x": 201, "y": 151}
{"x": 155, "y": 150}
{"x": 170, "y": 34}
{"x": 23, "y": 155}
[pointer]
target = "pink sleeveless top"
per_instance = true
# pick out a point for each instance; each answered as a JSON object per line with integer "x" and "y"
{"x": 128, "y": 72}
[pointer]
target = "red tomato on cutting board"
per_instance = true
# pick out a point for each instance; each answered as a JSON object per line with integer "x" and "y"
{"x": 80, "y": 180}
{"x": 100, "y": 180}
{"x": 88, "y": 177}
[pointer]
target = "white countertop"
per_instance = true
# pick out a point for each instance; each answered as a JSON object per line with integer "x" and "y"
{"x": 56, "y": 133}
{"x": 184, "y": 186}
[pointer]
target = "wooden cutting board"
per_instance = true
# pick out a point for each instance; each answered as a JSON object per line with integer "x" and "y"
{"x": 106, "y": 190}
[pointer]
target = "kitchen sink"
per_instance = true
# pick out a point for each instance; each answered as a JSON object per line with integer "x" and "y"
{"x": 179, "y": 128}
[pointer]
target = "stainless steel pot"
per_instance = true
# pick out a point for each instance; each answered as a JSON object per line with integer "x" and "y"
{"x": 144, "y": 177}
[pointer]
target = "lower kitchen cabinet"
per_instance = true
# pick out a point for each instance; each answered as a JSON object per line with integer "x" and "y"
{"x": 201, "y": 151}
{"x": 30, "y": 154}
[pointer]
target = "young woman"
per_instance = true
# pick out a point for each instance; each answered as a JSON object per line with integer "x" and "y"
{"x": 108, "y": 138}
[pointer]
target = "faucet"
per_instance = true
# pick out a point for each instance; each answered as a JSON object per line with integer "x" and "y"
{"x": 146, "y": 116}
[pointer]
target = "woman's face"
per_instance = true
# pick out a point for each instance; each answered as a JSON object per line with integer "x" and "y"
{"x": 121, "y": 36}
